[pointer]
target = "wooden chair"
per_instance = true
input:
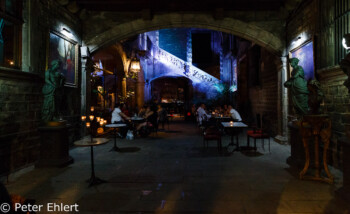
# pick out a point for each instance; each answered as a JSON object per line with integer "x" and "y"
{"x": 212, "y": 133}
{"x": 258, "y": 133}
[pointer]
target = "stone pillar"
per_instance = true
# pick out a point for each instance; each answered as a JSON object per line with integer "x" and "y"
{"x": 83, "y": 86}
{"x": 124, "y": 87}
{"x": 140, "y": 86}
{"x": 282, "y": 104}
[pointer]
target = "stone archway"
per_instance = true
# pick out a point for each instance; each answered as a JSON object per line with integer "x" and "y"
{"x": 236, "y": 27}
{"x": 261, "y": 34}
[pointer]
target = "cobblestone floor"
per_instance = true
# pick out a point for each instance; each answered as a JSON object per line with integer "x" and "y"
{"x": 172, "y": 173}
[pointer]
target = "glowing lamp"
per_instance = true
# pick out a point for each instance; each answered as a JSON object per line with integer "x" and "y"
{"x": 345, "y": 43}
{"x": 231, "y": 123}
{"x": 92, "y": 109}
{"x": 101, "y": 122}
{"x": 188, "y": 113}
{"x": 91, "y": 117}
{"x": 88, "y": 124}
{"x": 98, "y": 119}
{"x": 105, "y": 121}
{"x": 135, "y": 65}
{"x": 83, "y": 118}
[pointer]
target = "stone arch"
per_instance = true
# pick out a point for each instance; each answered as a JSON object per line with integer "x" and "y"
{"x": 236, "y": 27}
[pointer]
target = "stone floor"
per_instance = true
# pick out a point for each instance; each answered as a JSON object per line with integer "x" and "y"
{"x": 171, "y": 173}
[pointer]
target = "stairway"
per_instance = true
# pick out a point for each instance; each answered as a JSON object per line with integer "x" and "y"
{"x": 178, "y": 66}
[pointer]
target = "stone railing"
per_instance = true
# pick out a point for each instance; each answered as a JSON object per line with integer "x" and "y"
{"x": 184, "y": 69}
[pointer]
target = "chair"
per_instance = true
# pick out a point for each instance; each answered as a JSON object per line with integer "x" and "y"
{"x": 258, "y": 133}
{"x": 212, "y": 133}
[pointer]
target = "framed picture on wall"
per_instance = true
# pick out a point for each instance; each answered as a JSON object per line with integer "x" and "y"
{"x": 305, "y": 54}
{"x": 65, "y": 50}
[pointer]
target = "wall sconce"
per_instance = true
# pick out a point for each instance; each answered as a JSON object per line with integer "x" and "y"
{"x": 135, "y": 65}
{"x": 67, "y": 33}
{"x": 346, "y": 41}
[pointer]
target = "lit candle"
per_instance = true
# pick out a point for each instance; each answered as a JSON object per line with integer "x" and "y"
{"x": 92, "y": 109}
{"x": 101, "y": 122}
{"x": 83, "y": 118}
{"x": 87, "y": 124}
{"x": 91, "y": 117}
{"x": 105, "y": 121}
{"x": 98, "y": 119}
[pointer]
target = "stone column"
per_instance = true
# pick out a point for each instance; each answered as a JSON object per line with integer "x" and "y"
{"x": 282, "y": 104}
{"x": 140, "y": 89}
{"x": 124, "y": 87}
{"x": 83, "y": 86}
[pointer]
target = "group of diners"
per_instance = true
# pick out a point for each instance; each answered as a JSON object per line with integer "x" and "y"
{"x": 148, "y": 118}
{"x": 225, "y": 111}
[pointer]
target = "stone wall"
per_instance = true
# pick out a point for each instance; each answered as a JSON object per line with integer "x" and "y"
{"x": 20, "y": 106}
{"x": 337, "y": 106}
{"x": 305, "y": 24}
{"x": 263, "y": 97}
{"x": 20, "y": 90}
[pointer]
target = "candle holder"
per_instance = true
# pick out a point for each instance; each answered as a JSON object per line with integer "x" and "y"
{"x": 90, "y": 123}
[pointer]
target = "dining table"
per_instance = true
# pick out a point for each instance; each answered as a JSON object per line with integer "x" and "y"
{"x": 92, "y": 142}
{"x": 233, "y": 128}
{"x": 115, "y": 127}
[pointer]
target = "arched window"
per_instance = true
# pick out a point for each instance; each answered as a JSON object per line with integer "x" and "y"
{"x": 10, "y": 33}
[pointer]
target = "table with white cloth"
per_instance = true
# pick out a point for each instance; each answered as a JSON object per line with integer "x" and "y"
{"x": 233, "y": 128}
{"x": 115, "y": 127}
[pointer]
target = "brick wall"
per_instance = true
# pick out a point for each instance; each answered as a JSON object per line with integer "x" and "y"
{"x": 306, "y": 21}
{"x": 264, "y": 97}
{"x": 20, "y": 90}
{"x": 20, "y": 106}
{"x": 337, "y": 106}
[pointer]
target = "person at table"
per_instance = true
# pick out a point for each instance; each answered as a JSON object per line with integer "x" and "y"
{"x": 142, "y": 111}
{"x": 125, "y": 109}
{"x": 225, "y": 110}
{"x": 118, "y": 117}
{"x": 162, "y": 115}
{"x": 151, "y": 117}
{"x": 234, "y": 114}
{"x": 202, "y": 114}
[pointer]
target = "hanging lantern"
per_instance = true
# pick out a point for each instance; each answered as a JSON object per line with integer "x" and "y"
{"x": 135, "y": 65}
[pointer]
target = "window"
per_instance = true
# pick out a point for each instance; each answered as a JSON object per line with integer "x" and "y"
{"x": 10, "y": 33}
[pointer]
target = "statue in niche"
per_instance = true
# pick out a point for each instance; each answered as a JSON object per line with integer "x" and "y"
{"x": 345, "y": 63}
{"x": 298, "y": 86}
{"x": 53, "y": 92}
{"x": 315, "y": 96}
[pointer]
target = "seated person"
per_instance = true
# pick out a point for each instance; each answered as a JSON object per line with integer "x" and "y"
{"x": 202, "y": 114}
{"x": 151, "y": 117}
{"x": 125, "y": 110}
{"x": 162, "y": 115}
{"x": 234, "y": 114}
{"x": 118, "y": 117}
{"x": 226, "y": 111}
{"x": 142, "y": 111}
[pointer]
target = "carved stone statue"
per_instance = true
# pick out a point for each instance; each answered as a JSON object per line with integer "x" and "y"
{"x": 298, "y": 86}
{"x": 315, "y": 96}
{"x": 53, "y": 92}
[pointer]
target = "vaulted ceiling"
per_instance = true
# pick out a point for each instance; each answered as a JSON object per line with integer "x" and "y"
{"x": 159, "y": 6}
{"x": 179, "y": 5}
